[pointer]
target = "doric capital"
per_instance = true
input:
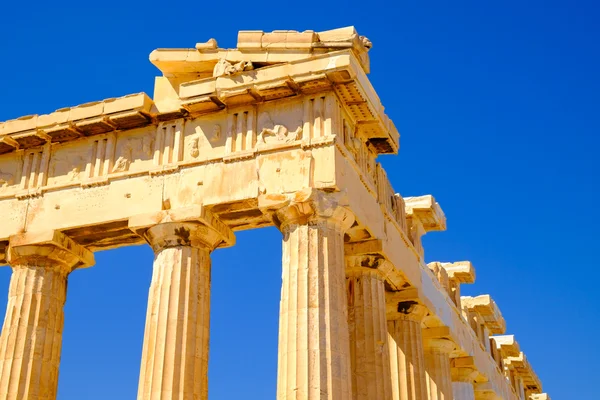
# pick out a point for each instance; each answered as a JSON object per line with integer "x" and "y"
{"x": 439, "y": 345}
{"x": 52, "y": 249}
{"x": 310, "y": 206}
{"x": 404, "y": 305}
{"x": 191, "y": 226}
{"x": 373, "y": 250}
{"x": 463, "y": 369}
{"x": 363, "y": 265}
{"x": 172, "y": 234}
{"x": 357, "y": 272}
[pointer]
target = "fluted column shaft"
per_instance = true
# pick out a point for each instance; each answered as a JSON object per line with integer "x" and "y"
{"x": 370, "y": 365}
{"x": 176, "y": 339}
{"x": 314, "y": 354}
{"x": 437, "y": 365}
{"x": 463, "y": 391}
{"x": 406, "y": 353}
{"x": 31, "y": 340}
{"x": 462, "y": 378}
{"x": 175, "y": 352}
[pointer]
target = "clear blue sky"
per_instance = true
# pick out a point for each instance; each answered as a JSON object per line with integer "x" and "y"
{"x": 498, "y": 108}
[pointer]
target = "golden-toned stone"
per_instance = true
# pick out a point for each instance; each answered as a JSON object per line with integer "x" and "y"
{"x": 370, "y": 363}
{"x": 314, "y": 353}
{"x": 283, "y": 131}
{"x": 29, "y": 363}
{"x": 437, "y": 366}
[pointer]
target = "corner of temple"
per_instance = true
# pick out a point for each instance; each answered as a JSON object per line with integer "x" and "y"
{"x": 48, "y": 247}
{"x": 194, "y": 225}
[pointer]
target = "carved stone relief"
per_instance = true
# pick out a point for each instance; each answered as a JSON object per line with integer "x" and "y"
{"x": 225, "y": 68}
{"x": 133, "y": 152}
{"x": 194, "y": 141}
{"x": 6, "y": 179}
{"x": 215, "y": 135}
{"x": 8, "y": 172}
{"x": 66, "y": 165}
{"x": 142, "y": 147}
{"x": 122, "y": 163}
{"x": 275, "y": 132}
{"x": 194, "y": 149}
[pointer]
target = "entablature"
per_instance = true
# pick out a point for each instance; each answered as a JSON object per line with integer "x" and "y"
{"x": 487, "y": 309}
{"x": 516, "y": 365}
{"x": 260, "y": 48}
{"x": 460, "y": 271}
{"x": 336, "y": 67}
{"x": 427, "y": 211}
{"x": 524, "y": 370}
{"x": 507, "y": 345}
{"x": 423, "y": 214}
{"x": 68, "y": 124}
{"x": 452, "y": 275}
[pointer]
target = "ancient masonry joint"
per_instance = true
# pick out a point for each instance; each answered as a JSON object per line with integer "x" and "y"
{"x": 284, "y": 130}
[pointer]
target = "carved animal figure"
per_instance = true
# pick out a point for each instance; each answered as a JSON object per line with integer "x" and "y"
{"x": 278, "y": 131}
{"x": 121, "y": 164}
{"x": 366, "y": 42}
{"x": 225, "y": 68}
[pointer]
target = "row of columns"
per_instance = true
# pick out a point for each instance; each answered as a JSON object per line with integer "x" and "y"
{"x": 336, "y": 338}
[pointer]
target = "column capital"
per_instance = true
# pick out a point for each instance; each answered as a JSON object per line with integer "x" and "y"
{"x": 364, "y": 265}
{"x": 190, "y": 226}
{"x": 51, "y": 249}
{"x": 405, "y": 304}
{"x": 463, "y": 369}
{"x": 439, "y": 345}
{"x": 309, "y": 206}
{"x": 364, "y": 271}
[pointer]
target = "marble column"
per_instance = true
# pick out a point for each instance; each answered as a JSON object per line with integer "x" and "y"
{"x": 407, "y": 361}
{"x": 175, "y": 351}
{"x": 437, "y": 365}
{"x": 463, "y": 391}
{"x": 370, "y": 365}
{"x": 314, "y": 353}
{"x": 462, "y": 383}
{"x": 31, "y": 340}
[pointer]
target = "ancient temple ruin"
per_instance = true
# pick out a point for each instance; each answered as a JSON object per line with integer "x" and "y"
{"x": 284, "y": 130}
